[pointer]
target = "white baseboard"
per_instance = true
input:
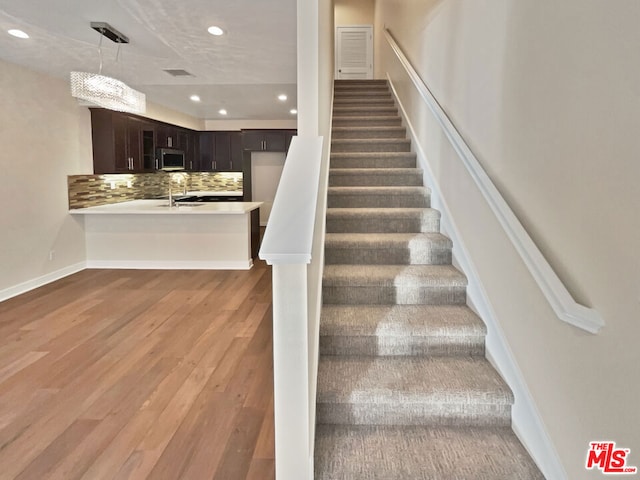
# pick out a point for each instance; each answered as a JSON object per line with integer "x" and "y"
{"x": 29, "y": 285}
{"x": 170, "y": 265}
{"x": 526, "y": 420}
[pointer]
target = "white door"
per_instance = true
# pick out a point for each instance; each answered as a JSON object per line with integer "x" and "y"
{"x": 354, "y": 52}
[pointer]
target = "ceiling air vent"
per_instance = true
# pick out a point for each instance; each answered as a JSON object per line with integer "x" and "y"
{"x": 178, "y": 73}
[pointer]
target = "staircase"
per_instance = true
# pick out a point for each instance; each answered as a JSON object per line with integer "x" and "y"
{"x": 404, "y": 389}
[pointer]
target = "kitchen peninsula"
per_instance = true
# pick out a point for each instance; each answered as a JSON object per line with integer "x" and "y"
{"x": 152, "y": 234}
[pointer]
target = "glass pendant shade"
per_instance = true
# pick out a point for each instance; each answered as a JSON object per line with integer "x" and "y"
{"x": 107, "y": 92}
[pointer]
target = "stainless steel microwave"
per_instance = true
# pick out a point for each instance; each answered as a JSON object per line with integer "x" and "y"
{"x": 169, "y": 159}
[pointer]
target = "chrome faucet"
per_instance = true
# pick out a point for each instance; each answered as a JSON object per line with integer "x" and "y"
{"x": 182, "y": 178}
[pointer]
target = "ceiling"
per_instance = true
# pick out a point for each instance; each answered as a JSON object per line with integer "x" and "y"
{"x": 242, "y": 71}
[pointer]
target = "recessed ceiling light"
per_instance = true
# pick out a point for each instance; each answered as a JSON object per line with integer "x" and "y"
{"x": 293, "y": 111}
{"x": 222, "y": 111}
{"x": 282, "y": 97}
{"x": 214, "y": 30}
{"x": 18, "y": 33}
{"x": 194, "y": 98}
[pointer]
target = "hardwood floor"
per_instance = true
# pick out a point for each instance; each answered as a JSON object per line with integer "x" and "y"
{"x": 133, "y": 374}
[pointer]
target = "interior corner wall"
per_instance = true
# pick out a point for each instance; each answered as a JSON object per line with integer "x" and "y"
{"x": 45, "y": 136}
{"x": 546, "y": 94}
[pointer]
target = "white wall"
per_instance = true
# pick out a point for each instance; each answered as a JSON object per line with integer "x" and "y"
{"x": 45, "y": 136}
{"x": 266, "y": 169}
{"x": 547, "y": 95}
{"x": 354, "y": 12}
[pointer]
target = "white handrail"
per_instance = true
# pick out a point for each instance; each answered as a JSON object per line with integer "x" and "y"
{"x": 561, "y": 301}
{"x": 289, "y": 236}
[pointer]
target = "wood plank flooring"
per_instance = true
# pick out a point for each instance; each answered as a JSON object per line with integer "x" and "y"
{"x": 135, "y": 374}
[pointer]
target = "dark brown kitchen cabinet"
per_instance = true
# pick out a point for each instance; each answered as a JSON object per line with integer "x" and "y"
{"x": 228, "y": 151}
{"x": 206, "y": 141}
{"x": 121, "y": 144}
{"x": 186, "y": 141}
{"x": 266, "y": 140}
{"x": 220, "y": 151}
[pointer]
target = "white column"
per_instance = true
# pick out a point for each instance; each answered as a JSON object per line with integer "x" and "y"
{"x": 290, "y": 367}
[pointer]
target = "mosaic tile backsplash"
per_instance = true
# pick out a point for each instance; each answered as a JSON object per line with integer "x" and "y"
{"x": 94, "y": 190}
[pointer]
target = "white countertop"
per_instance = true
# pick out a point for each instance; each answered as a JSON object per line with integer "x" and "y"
{"x": 161, "y": 207}
{"x": 209, "y": 192}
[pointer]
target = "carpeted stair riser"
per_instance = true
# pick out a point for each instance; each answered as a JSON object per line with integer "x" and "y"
{"x": 387, "y": 249}
{"x": 372, "y": 160}
{"x": 363, "y": 111}
{"x": 393, "y": 285}
{"x": 364, "y": 102}
{"x": 371, "y": 145}
{"x": 362, "y": 93}
{"x": 368, "y": 132}
{"x": 372, "y": 121}
{"x": 375, "y": 177}
{"x": 378, "y": 197}
{"x": 383, "y": 220}
{"x": 401, "y": 330}
{"x": 416, "y": 390}
{"x": 368, "y": 452}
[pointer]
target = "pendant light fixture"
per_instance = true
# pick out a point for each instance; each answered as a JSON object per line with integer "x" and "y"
{"x": 103, "y": 91}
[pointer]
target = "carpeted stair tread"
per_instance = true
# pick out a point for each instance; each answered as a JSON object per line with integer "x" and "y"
{"x": 380, "y": 97}
{"x": 393, "y": 284}
{"x": 366, "y": 390}
{"x": 382, "y": 220}
{"x": 401, "y": 330}
{"x": 342, "y": 177}
{"x": 393, "y": 275}
{"x": 363, "y": 110}
{"x": 368, "y": 132}
{"x": 380, "y": 121}
{"x": 379, "y": 190}
{"x": 420, "y": 453}
{"x": 387, "y": 248}
{"x": 372, "y": 160}
{"x": 361, "y": 93}
{"x": 371, "y": 145}
{"x": 378, "y": 196}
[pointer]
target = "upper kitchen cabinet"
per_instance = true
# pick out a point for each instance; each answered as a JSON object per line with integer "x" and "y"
{"x": 121, "y": 143}
{"x": 124, "y": 143}
{"x": 267, "y": 140}
{"x": 220, "y": 151}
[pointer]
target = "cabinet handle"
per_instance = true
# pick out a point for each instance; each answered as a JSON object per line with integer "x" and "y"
{"x": 156, "y": 164}
{"x": 212, "y": 165}
{"x": 169, "y": 142}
